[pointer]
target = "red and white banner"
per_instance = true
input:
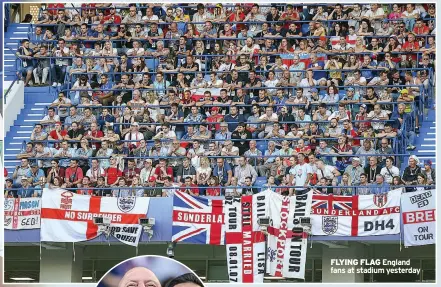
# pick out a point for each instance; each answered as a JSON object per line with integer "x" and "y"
{"x": 22, "y": 213}
{"x": 359, "y": 215}
{"x": 244, "y": 240}
{"x": 68, "y": 217}
{"x": 419, "y": 217}
{"x": 287, "y": 241}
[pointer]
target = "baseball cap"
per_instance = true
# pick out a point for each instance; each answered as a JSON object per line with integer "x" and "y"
{"x": 135, "y": 124}
{"x": 214, "y": 109}
{"x": 152, "y": 179}
{"x": 404, "y": 91}
{"x": 314, "y": 90}
{"x": 223, "y": 124}
{"x": 356, "y": 158}
{"x": 9, "y": 179}
{"x": 428, "y": 162}
{"x": 363, "y": 106}
{"x": 351, "y": 89}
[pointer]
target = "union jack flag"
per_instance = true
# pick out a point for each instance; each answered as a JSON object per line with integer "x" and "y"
{"x": 198, "y": 220}
{"x": 333, "y": 201}
{"x": 336, "y": 202}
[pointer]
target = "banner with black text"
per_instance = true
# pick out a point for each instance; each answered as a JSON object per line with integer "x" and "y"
{"x": 22, "y": 213}
{"x": 357, "y": 215}
{"x": 287, "y": 241}
{"x": 419, "y": 213}
{"x": 245, "y": 242}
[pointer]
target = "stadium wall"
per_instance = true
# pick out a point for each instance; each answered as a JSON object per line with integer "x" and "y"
{"x": 14, "y": 103}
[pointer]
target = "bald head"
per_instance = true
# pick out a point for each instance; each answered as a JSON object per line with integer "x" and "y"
{"x": 139, "y": 277}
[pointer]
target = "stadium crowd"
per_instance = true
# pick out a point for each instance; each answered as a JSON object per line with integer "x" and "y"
{"x": 227, "y": 99}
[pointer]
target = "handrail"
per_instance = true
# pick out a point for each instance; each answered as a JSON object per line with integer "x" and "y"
{"x": 211, "y": 156}
{"x": 219, "y": 22}
{"x": 369, "y": 185}
{"x": 9, "y": 89}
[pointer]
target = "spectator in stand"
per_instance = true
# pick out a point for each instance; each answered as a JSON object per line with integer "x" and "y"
{"x": 248, "y": 78}
{"x": 411, "y": 172}
{"x": 73, "y": 175}
{"x": 429, "y": 172}
{"x": 189, "y": 187}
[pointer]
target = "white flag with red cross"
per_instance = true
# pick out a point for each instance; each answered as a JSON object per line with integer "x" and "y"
{"x": 287, "y": 241}
{"x": 245, "y": 242}
{"x": 68, "y": 217}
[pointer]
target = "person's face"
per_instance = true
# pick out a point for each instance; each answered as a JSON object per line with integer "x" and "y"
{"x": 412, "y": 162}
{"x": 269, "y": 111}
{"x": 248, "y": 182}
{"x": 379, "y": 179}
{"x": 195, "y": 145}
{"x": 411, "y": 38}
{"x": 194, "y": 110}
{"x": 85, "y": 181}
{"x": 363, "y": 179}
{"x": 242, "y": 161}
{"x": 73, "y": 164}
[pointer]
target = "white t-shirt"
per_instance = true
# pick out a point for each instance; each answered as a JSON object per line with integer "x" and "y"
{"x": 171, "y": 191}
{"x": 375, "y": 117}
{"x": 300, "y": 173}
{"x": 327, "y": 172}
{"x": 204, "y": 173}
{"x": 387, "y": 176}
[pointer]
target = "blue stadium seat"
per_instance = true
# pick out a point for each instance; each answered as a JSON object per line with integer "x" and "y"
{"x": 305, "y": 28}
{"x": 152, "y": 64}
{"x": 262, "y": 146}
{"x": 260, "y": 181}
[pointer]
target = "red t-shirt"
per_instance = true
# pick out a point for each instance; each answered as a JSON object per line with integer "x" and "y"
{"x": 74, "y": 174}
{"x": 85, "y": 191}
{"x": 161, "y": 176}
{"x": 415, "y": 46}
{"x": 116, "y": 19}
{"x": 95, "y": 134}
{"x": 305, "y": 150}
{"x": 232, "y": 18}
{"x": 420, "y": 31}
{"x": 112, "y": 174}
{"x": 294, "y": 14}
{"x": 213, "y": 191}
{"x": 193, "y": 190}
{"x": 214, "y": 119}
{"x": 53, "y": 134}
{"x": 56, "y": 6}
{"x": 131, "y": 173}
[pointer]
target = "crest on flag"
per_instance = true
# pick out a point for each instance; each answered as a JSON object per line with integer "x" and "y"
{"x": 329, "y": 224}
{"x": 380, "y": 199}
{"x": 66, "y": 200}
{"x": 271, "y": 254}
{"x": 126, "y": 204}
